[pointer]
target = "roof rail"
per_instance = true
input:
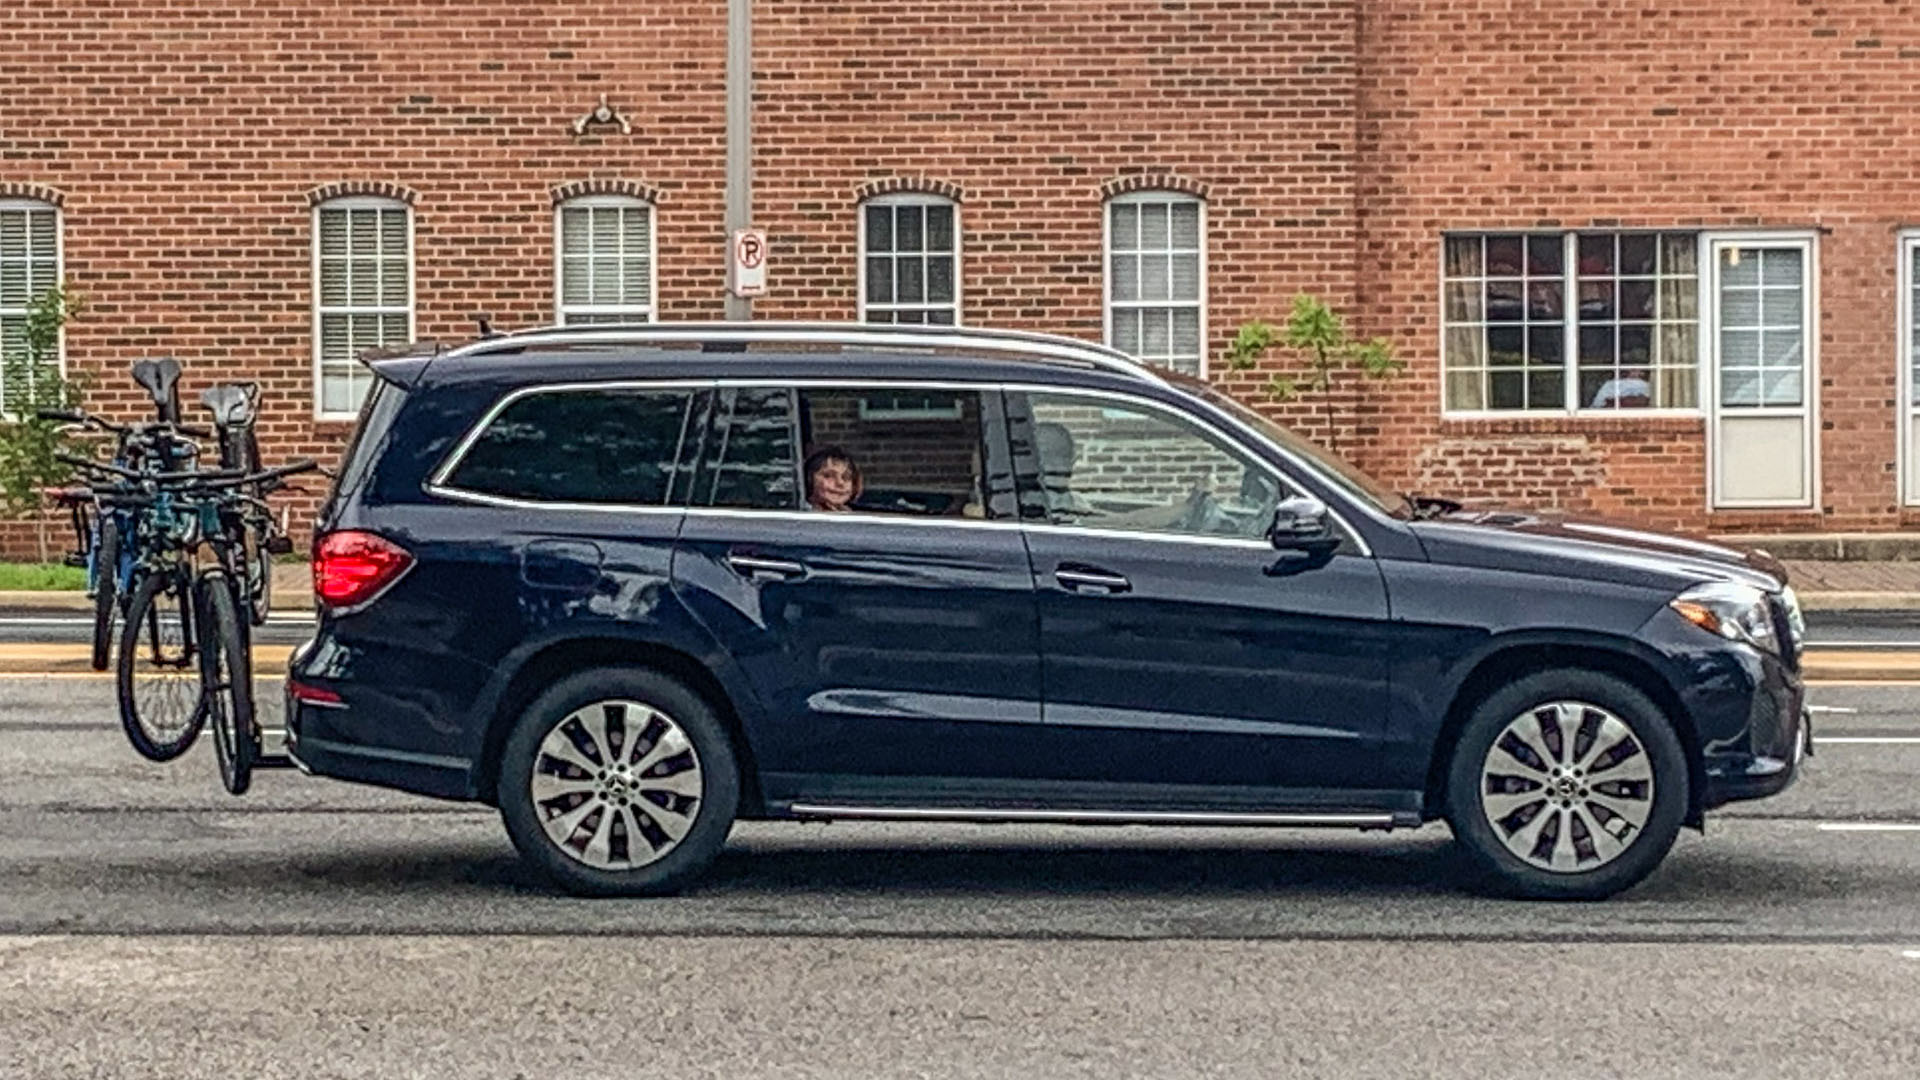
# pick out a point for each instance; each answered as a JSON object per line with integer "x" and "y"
{"x": 1051, "y": 346}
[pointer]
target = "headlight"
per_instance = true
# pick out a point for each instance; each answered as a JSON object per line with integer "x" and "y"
{"x": 1796, "y": 619}
{"x": 1735, "y": 612}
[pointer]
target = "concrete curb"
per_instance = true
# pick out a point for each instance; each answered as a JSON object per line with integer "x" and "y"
{"x": 1860, "y": 601}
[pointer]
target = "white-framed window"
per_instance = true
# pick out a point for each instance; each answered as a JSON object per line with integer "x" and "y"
{"x": 1156, "y": 291}
{"x": 29, "y": 266}
{"x": 604, "y": 270}
{"x": 910, "y": 260}
{"x": 1597, "y": 322}
{"x": 362, "y": 294}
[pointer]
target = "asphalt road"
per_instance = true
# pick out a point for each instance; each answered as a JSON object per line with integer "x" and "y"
{"x": 150, "y": 925}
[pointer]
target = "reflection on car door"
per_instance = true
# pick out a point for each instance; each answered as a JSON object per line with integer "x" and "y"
{"x": 894, "y": 651}
{"x": 1177, "y": 645}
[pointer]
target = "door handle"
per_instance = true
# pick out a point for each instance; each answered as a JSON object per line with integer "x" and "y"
{"x": 1079, "y": 579}
{"x": 753, "y": 566}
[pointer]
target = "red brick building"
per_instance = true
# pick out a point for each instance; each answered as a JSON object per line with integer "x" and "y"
{"x": 1649, "y": 259}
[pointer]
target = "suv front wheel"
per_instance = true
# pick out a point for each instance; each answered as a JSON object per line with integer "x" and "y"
{"x": 619, "y": 782}
{"x": 1566, "y": 785}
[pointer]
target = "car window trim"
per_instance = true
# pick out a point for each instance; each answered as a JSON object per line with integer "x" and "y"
{"x": 1239, "y": 437}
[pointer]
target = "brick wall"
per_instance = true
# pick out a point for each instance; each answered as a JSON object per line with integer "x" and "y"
{"x": 1024, "y": 111}
{"x": 1488, "y": 115}
{"x": 186, "y": 138}
{"x": 1333, "y": 141}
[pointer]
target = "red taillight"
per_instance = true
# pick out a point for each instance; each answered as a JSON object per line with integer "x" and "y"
{"x": 310, "y": 694}
{"x": 352, "y": 567}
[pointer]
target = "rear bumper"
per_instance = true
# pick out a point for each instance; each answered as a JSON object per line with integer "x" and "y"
{"x": 442, "y": 778}
{"x": 315, "y": 745}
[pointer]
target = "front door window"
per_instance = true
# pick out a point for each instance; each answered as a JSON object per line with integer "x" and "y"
{"x": 1104, "y": 465}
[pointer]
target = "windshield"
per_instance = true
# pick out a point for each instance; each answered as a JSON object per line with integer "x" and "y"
{"x": 1336, "y": 469}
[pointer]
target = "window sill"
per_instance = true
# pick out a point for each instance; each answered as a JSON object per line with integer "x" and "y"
{"x": 1661, "y": 422}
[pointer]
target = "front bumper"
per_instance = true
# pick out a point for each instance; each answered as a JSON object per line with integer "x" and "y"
{"x": 1751, "y": 720}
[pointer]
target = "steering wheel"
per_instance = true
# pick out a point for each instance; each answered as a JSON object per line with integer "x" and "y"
{"x": 1200, "y": 513}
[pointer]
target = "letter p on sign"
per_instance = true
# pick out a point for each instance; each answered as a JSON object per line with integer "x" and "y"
{"x": 749, "y": 262}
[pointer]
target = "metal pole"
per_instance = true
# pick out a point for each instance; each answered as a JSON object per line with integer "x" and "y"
{"x": 739, "y": 139}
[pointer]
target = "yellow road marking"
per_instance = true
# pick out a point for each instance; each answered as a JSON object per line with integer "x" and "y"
{"x": 36, "y": 658}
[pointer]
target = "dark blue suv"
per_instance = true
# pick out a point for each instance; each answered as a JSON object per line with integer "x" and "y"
{"x": 633, "y": 583}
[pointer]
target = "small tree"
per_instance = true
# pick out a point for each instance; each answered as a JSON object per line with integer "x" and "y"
{"x": 30, "y": 380}
{"x": 1315, "y": 330}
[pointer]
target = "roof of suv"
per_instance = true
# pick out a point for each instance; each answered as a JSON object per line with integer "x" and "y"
{"x": 754, "y": 350}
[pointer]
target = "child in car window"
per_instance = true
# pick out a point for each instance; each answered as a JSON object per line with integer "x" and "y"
{"x": 833, "y": 480}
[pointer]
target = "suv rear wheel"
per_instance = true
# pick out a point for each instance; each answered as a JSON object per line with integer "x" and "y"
{"x": 619, "y": 782}
{"x": 1566, "y": 785}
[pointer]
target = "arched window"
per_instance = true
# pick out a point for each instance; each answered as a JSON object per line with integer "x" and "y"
{"x": 910, "y": 259}
{"x": 1156, "y": 297}
{"x": 29, "y": 266}
{"x": 362, "y": 294}
{"x": 603, "y": 260}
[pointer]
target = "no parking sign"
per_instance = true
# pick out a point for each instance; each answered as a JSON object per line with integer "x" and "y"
{"x": 749, "y": 262}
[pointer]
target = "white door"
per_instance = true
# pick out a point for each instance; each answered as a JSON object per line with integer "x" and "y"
{"x": 1763, "y": 372}
{"x": 1910, "y": 369}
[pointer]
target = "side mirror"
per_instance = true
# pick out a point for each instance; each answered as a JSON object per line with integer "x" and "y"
{"x": 1302, "y": 523}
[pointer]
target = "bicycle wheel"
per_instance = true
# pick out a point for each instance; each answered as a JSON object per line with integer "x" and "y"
{"x": 162, "y": 707}
{"x": 257, "y": 564}
{"x": 227, "y": 679}
{"x": 106, "y": 573}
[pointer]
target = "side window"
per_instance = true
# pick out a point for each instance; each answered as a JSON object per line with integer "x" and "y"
{"x": 902, "y": 450}
{"x": 616, "y": 447}
{"x": 604, "y": 244}
{"x": 1107, "y": 465}
{"x": 29, "y": 266}
{"x": 363, "y": 294}
{"x": 750, "y": 460}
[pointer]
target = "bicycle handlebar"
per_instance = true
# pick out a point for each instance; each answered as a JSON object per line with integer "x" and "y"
{"x": 203, "y": 478}
{"x": 77, "y": 416}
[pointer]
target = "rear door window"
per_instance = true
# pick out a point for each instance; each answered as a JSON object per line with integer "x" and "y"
{"x": 613, "y": 446}
{"x": 924, "y": 452}
{"x": 750, "y": 462}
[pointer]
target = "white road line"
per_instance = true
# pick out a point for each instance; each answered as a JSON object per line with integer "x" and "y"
{"x": 1861, "y": 645}
{"x": 1831, "y": 709}
{"x": 1889, "y": 740}
{"x": 1912, "y": 954}
{"x": 1868, "y": 826}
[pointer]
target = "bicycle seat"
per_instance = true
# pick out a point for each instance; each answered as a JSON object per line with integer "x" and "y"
{"x": 158, "y": 377}
{"x": 232, "y": 404}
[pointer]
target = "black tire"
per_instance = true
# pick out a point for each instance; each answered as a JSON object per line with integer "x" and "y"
{"x": 709, "y": 750}
{"x": 156, "y": 682}
{"x": 1470, "y": 773}
{"x": 226, "y": 678}
{"x": 106, "y": 596}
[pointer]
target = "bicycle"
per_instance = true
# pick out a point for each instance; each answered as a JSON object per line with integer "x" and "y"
{"x": 102, "y": 547}
{"x": 183, "y": 620}
{"x": 235, "y": 406}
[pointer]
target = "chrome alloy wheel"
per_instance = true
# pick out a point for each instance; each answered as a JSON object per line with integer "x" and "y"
{"x": 616, "y": 785}
{"x": 1567, "y": 787}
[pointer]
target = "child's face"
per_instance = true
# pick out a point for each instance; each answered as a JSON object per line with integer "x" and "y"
{"x": 833, "y": 483}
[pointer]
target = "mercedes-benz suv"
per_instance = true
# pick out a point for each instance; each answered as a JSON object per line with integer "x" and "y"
{"x": 631, "y": 584}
